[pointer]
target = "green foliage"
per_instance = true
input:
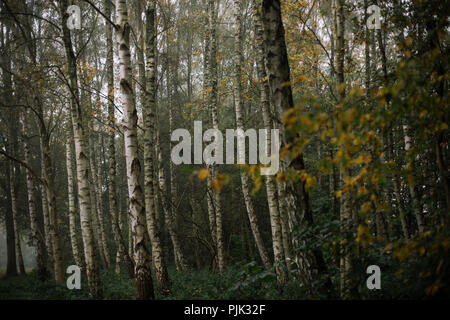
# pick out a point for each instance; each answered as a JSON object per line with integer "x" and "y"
{"x": 415, "y": 269}
{"x": 243, "y": 281}
{"x": 29, "y": 287}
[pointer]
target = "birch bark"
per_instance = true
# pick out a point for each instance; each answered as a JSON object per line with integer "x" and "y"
{"x": 122, "y": 253}
{"x": 82, "y": 163}
{"x": 162, "y": 278}
{"x": 144, "y": 285}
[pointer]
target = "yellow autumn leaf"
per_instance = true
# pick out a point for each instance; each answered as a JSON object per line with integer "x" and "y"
{"x": 203, "y": 174}
{"x": 216, "y": 185}
{"x": 388, "y": 247}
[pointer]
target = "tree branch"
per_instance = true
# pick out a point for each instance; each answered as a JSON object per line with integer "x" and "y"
{"x": 26, "y": 166}
{"x": 99, "y": 11}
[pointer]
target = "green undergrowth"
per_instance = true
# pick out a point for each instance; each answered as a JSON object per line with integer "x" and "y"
{"x": 245, "y": 281}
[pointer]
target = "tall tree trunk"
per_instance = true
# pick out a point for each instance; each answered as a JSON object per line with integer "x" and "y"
{"x": 11, "y": 264}
{"x": 334, "y": 179}
{"x": 398, "y": 196}
{"x": 94, "y": 217}
{"x": 12, "y": 188}
{"x": 122, "y": 253}
{"x": 13, "y": 168}
{"x": 444, "y": 177}
{"x": 212, "y": 103}
{"x": 144, "y": 285}
{"x": 37, "y": 239}
{"x": 237, "y": 87}
{"x": 72, "y": 220}
{"x": 311, "y": 264}
{"x": 51, "y": 200}
{"x": 367, "y": 61}
{"x": 96, "y": 197}
{"x": 386, "y": 134}
{"x": 82, "y": 163}
{"x": 345, "y": 215}
{"x": 162, "y": 278}
{"x": 416, "y": 208}
{"x": 47, "y": 237}
{"x": 171, "y": 214}
{"x": 206, "y": 83}
{"x": 270, "y": 22}
{"x": 102, "y": 217}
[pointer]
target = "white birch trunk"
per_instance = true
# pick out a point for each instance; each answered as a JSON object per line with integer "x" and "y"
{"x": 162, "y": 278}
{"x": 144, "y": 285}
{"x": 82, "y": 164}
{"x": 71, "y": 206}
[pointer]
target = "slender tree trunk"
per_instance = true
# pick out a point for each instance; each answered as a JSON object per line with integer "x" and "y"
{"x": 130, "y": 231}
{"x": 72, "y": 221}
{"x": 38, "y": 240}
{"x": 171, "y": 214}
{"x": 122, "y": 253}
{"x": 171, "y": 220}
{"x": 144, "y": 285}
{"x": 444, "y": 177}
{"x": 97, "y": 201}
{"x": 82, "y": 163}
{"x": 345, "y": 215}
{"x": 367, "y": 53}
{"x": 414, "y": 197}
{"x": 99, "y": 187}
{"x": 206, "y": 84}
{"x": 13, "y": 168}
{"x": 11, "y": 265}
{"x": 386, "y": 133}
{"x": 401, "y": 209}
{"x": 168, "y": 208}
{"x": 162, "y": 278}
{"x": 51, "y": 201}
{"x": 94, "y": 218}
{"x": 237, "y": 87}
{"x": 47, "y": 237}
{"x": 14, "y": 218}
{"x": 212, "y": 102}
{"x": 334, "y": 179}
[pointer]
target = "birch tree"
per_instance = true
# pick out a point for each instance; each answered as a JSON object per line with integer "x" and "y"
{"x": 237, "y": 87}
{"x": 122, "y": 253}
{"x": 345, "y": 214}
{"x": 82, "y": 162}
{"x": 212, "y": 104}
{"x": 71, "y": 206}
{"x": 144, "y": 285}
{"x": 162, "y": 278}
{"x": 310, "y": 263}
{"x": 37, "y": 238}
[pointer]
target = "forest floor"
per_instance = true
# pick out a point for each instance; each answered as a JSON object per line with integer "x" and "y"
{"x": 236, "y": 283}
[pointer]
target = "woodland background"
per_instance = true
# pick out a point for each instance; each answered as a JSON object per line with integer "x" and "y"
{"x": 85, "y": 171}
